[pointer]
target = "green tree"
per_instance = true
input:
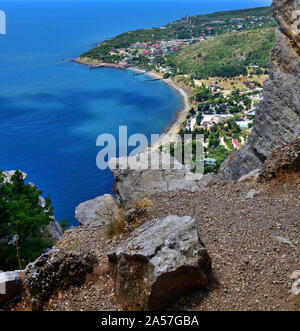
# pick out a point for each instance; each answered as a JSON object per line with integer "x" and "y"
{"x": 22, "y": 221}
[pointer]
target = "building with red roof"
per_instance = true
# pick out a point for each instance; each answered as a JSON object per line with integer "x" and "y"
{"x": 236, "y": 144}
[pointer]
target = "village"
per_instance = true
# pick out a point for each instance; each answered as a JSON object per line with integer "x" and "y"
{"x": 222, "y": 107}
{"x": 224, "y": 117}
{"x": 151, "y": 54}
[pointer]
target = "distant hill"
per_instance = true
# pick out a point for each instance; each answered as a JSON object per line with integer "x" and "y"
{"x": 227, "y": 15}
{"x": 186, "y": 28}
{"x": 227, "y": 55}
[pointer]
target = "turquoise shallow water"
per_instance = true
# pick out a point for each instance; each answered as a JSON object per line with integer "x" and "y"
{"x": 52, "y": 111}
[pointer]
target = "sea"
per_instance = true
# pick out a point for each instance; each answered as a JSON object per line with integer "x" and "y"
{"x": 52, "y": 110}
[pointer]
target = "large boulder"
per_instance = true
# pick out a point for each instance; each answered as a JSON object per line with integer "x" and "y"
{"x": 99, "y": 211}
{"x": 278, "y": 116}
{"x": 55, "y": 270}
{"x": 10, "y": 284}
{"x": 160, "y": 261}
{"x": 285, "y": 159}
{"x": 138, "y": 180}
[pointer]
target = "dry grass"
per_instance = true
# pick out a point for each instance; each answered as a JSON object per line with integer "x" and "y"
{"x": 142, "y": 203}
{"x": 117, "y": 224}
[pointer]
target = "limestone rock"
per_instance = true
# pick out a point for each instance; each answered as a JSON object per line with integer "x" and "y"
{"x": 278, "y": 117}
{"x": 287, "y": 14}
{"x": 250, "y": 177}
{"x": 53, "y": 230}
{"x": 10, "y": 284}
{"x": 56, "y": 270}
{"x": 296, "y": 284}
{"x": 296, "y": 288}
{"x": 137, "y": 180}
{"x": 285, "y": 159}
{"x": 295, "y": 275}
{"x": 253, "y": 193}
{"x": 8, "y": 175}
{"x": 98, "y": 212}
{"x": 160, "y": 261}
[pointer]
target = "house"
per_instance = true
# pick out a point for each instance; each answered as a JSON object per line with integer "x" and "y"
{"x": 243, "y": 125}
{"x": 236, "y": 144}
{"x": 210, "y": 162}
{"x": 236, "y": 20}
{"x": 217, "y": 22}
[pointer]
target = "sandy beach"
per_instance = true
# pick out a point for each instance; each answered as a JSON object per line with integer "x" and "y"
{"x": 181, "y": 114}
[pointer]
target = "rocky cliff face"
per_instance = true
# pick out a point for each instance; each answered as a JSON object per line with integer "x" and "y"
{"x": 278, "y": 117}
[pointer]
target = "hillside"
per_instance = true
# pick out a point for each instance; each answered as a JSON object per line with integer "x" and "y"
{"x": 227, "y": 55}
{"x": 251, "y": 266}
{"x": 136, "y": 47}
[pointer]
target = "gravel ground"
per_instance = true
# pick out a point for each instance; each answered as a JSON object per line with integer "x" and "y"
{"x": 251, "y": 267}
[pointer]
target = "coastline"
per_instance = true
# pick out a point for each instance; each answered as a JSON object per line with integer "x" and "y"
{"x": 174, "y": 126}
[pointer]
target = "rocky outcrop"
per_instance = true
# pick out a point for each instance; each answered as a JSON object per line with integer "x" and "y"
{"x": 53, "y": 230}
{"x": 285, "y": 159}
{"x": 10, "y": 284}
{"x": 278, "y": 117}
{"x": 138, "y": 180}
{"x": 287, "y": 14}
{"x": 160, "y": 261}
{"x": 56, "y": 270}
{"x": 99, "y": 211}
{"x": 7, "y": 175}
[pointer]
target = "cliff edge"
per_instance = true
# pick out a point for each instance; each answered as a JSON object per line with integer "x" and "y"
{"x": 278, "y": 117}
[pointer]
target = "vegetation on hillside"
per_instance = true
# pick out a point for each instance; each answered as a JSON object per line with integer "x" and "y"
{"x": 193, "y": 27}
{"x": 227, "y": 55}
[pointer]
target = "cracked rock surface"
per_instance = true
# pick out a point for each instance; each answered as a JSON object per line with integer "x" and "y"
{"x": 138, "y": 180}
{"x": 160, "y": 261}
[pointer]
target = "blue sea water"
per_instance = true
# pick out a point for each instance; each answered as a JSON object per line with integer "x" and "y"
{"x": 52, "y": 111}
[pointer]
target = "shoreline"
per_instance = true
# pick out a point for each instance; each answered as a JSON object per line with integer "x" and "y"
{"x": 174, "y": 127}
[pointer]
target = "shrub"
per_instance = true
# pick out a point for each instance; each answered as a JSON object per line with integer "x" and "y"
{"x": 117, "y": 223}
{"x": 22, "y": 219}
